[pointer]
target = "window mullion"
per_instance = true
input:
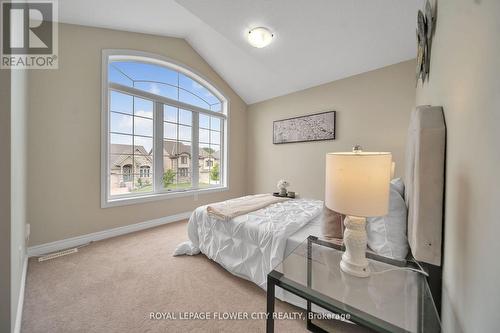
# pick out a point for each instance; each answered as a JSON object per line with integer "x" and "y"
{"x": 222, "y": 154}
{"x": 195, "y": 150}
{"x": 158, "y": 147}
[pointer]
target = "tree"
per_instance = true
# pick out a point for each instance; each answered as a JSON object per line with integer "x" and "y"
{"x": 208, "y": 150}
{"x": 214, "y": 172}
{"x": 168, "y": 177}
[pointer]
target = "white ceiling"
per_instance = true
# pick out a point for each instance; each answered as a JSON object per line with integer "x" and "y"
{"x": 317, "y": 41}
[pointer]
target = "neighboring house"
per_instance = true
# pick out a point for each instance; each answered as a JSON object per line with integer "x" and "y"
{"x": 206, "y": 162}
{"x": 127, "y": 176}
{"x": 177, "y": 156}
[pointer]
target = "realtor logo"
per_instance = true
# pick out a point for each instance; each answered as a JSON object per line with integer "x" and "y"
{"x": 29, "y": 34}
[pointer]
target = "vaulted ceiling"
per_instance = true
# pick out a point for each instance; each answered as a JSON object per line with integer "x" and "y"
{"x": 317, "y": 41}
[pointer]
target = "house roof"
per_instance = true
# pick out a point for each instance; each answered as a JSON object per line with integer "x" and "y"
{"x": 121, "y": 151}
{"x": 126, "y": 149}
{"x": 205, "y": 154}
{"x": 172, "y": 149}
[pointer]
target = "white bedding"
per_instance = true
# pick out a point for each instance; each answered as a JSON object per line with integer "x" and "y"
{"x": 251, "y": 245}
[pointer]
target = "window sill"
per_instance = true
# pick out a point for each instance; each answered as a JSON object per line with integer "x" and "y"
{"x": 106, "y": 203}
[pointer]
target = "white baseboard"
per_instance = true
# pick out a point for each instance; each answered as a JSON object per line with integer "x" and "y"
{"x": 42, "y": 249}
{"x": 20, "y": 303}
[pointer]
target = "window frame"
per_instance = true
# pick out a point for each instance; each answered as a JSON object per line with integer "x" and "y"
{"x": 159, "y": 193}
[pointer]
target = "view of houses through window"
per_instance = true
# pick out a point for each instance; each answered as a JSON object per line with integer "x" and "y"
{"x": 142, "y": 94}
{"x": 209, "y": 143}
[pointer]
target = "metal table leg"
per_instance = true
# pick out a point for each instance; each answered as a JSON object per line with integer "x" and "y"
{"x": 270, "y": 305}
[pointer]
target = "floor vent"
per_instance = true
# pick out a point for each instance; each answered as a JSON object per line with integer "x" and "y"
{"x": 57, "y": 254}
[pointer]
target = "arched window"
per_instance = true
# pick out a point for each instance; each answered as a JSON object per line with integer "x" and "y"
{"x": 157, "y": 113}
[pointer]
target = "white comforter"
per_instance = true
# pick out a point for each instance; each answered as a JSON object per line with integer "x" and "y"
{"x": 251, "y": 245}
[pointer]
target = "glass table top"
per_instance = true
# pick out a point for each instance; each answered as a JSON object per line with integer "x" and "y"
{"x": 392, "y": 299}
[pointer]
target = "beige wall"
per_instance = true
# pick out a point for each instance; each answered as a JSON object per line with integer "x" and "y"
{"x": 465, "y": 80}
{"x": 373, "y": 110}
{"x": 64, "y": 137}
{"x": 5, "y": 200}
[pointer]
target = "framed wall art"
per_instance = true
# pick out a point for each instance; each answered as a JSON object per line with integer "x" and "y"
{"x": 313, "y": 127}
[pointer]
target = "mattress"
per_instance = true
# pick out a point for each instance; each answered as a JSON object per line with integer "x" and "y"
{"x": 313, "y": 228}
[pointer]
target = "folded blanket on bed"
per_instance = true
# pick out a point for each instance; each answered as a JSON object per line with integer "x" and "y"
{"x": 229, "y": 209}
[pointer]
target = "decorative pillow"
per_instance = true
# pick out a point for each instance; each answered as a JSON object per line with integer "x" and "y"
{"x": 387, "y": 234}
{"x": 331, "y": 223}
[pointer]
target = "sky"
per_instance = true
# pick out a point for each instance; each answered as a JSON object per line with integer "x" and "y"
{"x": 133, "y": 115}
{"x": 166, "y": 83}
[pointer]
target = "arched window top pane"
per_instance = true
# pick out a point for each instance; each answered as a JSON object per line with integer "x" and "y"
{"x": 197, "y": 89}
{"x": 163, "y": 81}
{"x": 139, "y": 71}
{"x": 115, "y": 75}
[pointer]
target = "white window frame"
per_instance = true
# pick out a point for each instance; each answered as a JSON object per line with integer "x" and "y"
{"x": 159, "y": 193}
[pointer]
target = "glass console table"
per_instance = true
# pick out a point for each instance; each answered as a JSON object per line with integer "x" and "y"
{"x": 392, "y": 299}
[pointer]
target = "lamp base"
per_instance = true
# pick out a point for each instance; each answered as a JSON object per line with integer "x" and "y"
{"x": 355, "y": 270}
{"x": 355, "y": 239}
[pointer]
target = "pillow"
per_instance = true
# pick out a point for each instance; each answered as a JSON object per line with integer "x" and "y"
{"x": 331, "y": 223}
{"x": 387, "y": 234}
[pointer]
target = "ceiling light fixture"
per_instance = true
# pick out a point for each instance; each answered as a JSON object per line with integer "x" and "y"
{"x": 260, "y": 37}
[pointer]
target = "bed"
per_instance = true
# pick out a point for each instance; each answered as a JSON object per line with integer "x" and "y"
{"x": 251, "y": 245}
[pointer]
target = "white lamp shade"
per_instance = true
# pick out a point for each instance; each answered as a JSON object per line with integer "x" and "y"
{"x": 357, "y": 184}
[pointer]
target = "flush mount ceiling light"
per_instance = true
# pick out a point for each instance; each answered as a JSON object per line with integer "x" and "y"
{"x": 260, "y": 37}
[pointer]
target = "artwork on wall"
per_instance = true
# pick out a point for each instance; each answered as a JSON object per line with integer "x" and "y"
{"x": 314, "y": 127}
{"x": 425, "y": 29}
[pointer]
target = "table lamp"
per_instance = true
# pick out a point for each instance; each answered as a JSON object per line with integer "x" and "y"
{"x": 357, "y": 185}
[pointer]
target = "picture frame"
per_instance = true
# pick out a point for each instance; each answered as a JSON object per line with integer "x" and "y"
{"x": 312, "y": 127}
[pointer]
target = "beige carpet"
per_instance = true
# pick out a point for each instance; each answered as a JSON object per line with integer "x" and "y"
{"x": 114, "y": 285}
